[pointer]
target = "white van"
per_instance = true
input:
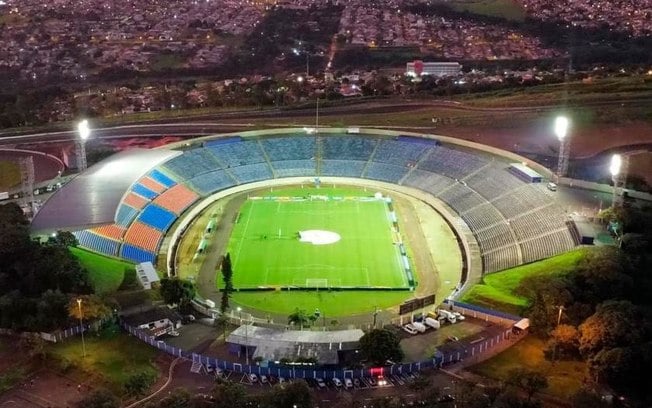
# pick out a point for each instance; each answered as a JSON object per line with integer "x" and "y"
{"x": 434, "y": 323}
{"x": 420, "y": 327}
{"x": 447, "y": 315}
{"x": 552, "y": 186}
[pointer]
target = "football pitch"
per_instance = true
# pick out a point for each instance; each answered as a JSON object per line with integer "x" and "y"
{"x": 316, "y": 241}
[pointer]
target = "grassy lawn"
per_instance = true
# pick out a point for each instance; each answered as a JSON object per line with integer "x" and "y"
{"x": 9, "y": 175}
{"x": 110, "y": 359}
{"x": 564, "y": 377}
{"x": 497, "y": 289}
{"x": 106, "y": 274}
{"x": 164, "y": 62}
{"x": 332, "y": 304}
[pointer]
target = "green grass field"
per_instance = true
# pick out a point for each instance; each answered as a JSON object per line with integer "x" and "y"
{"x": 497, "y": 290}
{"x": 106, "y": 274}
{"x": 266, "y": 249}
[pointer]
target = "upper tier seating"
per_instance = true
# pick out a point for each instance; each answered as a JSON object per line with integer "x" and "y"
{"x": 211, "y": 182}
{"x": 385, "y": 172}
{"x": 493, "y": 182}
{"x": 238, "y": 153}
{"x": 192, "y": 163}
{"x": 453, "y": 163}
{"x": 176, "y": 199}
{"x": 251, "y": 172}
{"x": 294, "y": 168}
{"x": 399, "y": 153}
{"x": 427, "y": 181}
{"x": 289, "y": 148}
{"x": 342, "y": 168}
{"x": 157, "y": 217}
{"x": 347, "y": 148}
{"x": 125, "y": 215}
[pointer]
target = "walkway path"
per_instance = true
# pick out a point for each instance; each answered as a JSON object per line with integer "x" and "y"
{"x": 163, "y": 387}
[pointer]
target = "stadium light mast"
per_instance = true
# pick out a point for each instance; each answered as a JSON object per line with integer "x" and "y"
{"x": 614, "y": 169}
{"x": 84, "y": 131}
{"x": 561, "y": 131}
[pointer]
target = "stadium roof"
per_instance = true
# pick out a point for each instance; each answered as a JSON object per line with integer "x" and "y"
{"x": 92, "y": 198}
{"x": 275, "y": 344}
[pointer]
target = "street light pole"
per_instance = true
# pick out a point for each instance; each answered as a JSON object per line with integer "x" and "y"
{"x": 614, "y": 168}
{"x": 81, "y": 327}
{"x": 84, "y": 132}
{"x": 554, "y": 350}
{"x": 246, "y": 336}
{"x": 561, "y": 130}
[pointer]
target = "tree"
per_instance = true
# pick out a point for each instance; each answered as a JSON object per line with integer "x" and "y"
{"x": 586, "y": 398}
{"x": 565, "y": 339}
{"x": 136, "y": 384}
{"x": 528, "y": 380}
{"x": 300, "y": 318}
{"x": 92, "y": 308}
{"x": 101, "y": 398}
{"x": 379, "y": 345}
{"x": 230, "y": 395}
{"x": 63, "y": 239}
{"x": 175, "y": 291}
{"x": 296, "y": 394}
{"x": 614, "y": 324}
{"x": 227, "y": 276}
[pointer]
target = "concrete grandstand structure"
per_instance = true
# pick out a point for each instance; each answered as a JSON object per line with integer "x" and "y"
{"x": 128, "y": 204}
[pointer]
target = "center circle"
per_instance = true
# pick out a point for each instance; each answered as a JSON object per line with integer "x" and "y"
{"x": 319, "y": 237}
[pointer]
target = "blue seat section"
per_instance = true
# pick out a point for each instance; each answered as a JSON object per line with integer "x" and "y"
{"x": 157, "y": 217}
{"x": 125, "y": 215}
{"x": 193, "y": 162}
{"x": 453, "y": 163}
{"x": 348, "y": 148}
{"x": 290, "y": 148}
{"x": 136, "y": 254}
{"x": 97, "y": 243}
{"x": 238, "y": 153}
{"x": 342, "y": 168}
{"x": 399, "y": 153}
{"x": 251, "y": 172}
{"x": 223, "y": 140}
{"x": 418, "y": 140}
{"x": 143, "y": 191}
{"x": 294, "y": 168}
{"x": 385, "y": 172}
{"x": 209, "y": 183}
{"x": 162, "y": 178}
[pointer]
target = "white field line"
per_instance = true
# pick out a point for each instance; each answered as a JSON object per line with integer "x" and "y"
{"x": 244, "y": 234}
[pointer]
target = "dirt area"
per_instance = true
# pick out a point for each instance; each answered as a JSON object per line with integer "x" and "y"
{"x": 537, "y": 137}
{"x": 422, "y": 346}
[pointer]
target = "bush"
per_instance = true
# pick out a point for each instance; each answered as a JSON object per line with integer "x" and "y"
{"x": 136, "y": 384}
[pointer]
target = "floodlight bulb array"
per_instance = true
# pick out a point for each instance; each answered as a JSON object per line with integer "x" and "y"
{"x": 84, "y": 129}
{"x": 616, "y": 162}
{"x": 561, "y": 127}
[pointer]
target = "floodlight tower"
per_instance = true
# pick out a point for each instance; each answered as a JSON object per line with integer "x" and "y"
{"x": 26, "y": 165}
{"x": 619, "y": 168}
{"x": 84, "y": 132}
{"x": 561, "y": 131}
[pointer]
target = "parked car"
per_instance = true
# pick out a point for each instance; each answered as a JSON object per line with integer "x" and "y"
{"x": 453, "y": 338}
{"x": 356, "y": 382}
{"x": 320, "y": 383}
{"x": 410, "y": 329}
{"x": 434, "y": 323}
{"x": 337, "y": 382}
{"x": 459, "y": 316}
{"x": 420, "y": 327}
{"x": 264, "y": 379}
{"x": 253, "y": 378}
{"x": 281, "y": 380}
{"x": 348, "y": 383}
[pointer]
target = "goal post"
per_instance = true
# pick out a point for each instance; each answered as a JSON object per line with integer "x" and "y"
{"x": 316, "y": 283}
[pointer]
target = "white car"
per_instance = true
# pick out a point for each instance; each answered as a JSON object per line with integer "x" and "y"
{"x": 348, "y": 383}
{"x": 321, "y": 383}
{"x": 264, "y": 379}
{"x": 253, "y": 378}
{"x": 459, "y": 316}
{"x": 410, "y": 329}
{"x": 337, "y": 382}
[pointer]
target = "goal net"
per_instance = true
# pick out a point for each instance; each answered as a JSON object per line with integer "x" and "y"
{"x": 317, "y": 283}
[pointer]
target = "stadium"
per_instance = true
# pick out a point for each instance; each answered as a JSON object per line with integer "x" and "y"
{"x": 347, "y": 221}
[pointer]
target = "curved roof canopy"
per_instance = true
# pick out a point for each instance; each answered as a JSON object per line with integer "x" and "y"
{"x": 92, "y": 198}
